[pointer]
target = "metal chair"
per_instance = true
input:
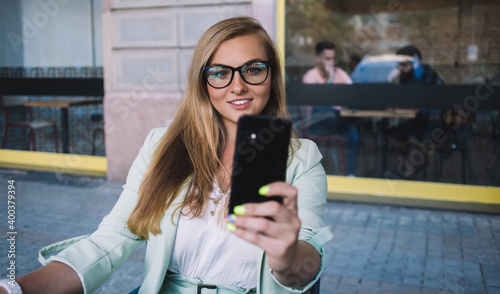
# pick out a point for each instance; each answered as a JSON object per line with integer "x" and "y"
{"x": 304, "y": 129}
{"x": 96, "y": 118}
{"x": 457, "y": 130}
{"x": 31, "y": 125}
{"x": 493, "y": 167}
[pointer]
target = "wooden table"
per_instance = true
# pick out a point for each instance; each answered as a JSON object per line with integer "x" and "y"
{"x": 382, "y": 117}
{"x": 64, "y": 105}
{"x": 389, "y": 113}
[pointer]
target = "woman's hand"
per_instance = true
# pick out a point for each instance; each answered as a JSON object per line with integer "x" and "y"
{"x": 277, "y": 236}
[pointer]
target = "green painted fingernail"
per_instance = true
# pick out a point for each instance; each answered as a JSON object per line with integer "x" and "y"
{"x": 264, "y": 190}
{"x": 230, "y": 227}
{"x": 239, "y": 210}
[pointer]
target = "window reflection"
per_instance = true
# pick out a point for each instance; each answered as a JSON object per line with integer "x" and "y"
{"x": 428, "y": 43}
{"x": 458, "y": 40}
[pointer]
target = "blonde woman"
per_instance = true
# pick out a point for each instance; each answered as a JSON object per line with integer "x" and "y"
{"x": 177, "y": 189}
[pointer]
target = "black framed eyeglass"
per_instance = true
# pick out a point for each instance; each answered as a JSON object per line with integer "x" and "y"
{"x": 252, "y": 72}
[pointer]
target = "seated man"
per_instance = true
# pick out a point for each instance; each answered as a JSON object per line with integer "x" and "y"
{"x": 325, "y": 71}
{"x": 330, "y": 122}
{"x": 413, "y": 71}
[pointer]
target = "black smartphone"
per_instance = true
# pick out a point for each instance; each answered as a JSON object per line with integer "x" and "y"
{"x": 260, "y": 157}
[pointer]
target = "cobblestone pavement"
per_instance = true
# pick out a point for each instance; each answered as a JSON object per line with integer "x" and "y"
{"x": 377, "y": 248}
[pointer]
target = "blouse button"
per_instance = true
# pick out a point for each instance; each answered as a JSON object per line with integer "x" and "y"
{"x": 212, "y": 213}
{"x": 216, "y": 201}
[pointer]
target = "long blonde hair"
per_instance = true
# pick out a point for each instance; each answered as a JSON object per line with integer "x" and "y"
{"x": 188, "y": 154}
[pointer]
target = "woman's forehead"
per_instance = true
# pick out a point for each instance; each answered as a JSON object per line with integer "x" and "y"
{"x": 239, "y": 50}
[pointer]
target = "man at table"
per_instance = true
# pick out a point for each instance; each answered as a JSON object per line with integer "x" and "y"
{"x": 325, "y": 71}
{"x": 330, "y": 122}
{"x": 413, "y": 70}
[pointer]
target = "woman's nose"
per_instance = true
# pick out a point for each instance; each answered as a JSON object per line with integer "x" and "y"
{"x": 238, "y": 85}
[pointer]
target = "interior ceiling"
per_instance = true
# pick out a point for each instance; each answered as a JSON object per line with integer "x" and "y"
{"x": 379, "y": 6}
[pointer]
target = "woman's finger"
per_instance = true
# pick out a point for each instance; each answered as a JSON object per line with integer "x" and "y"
{"x": 271, "y": 209}
{"x": 287, "y": 231}
{"x": 254, "y": 237}
{"x": 284, "y": 190}
{"x": 272, "y": 246}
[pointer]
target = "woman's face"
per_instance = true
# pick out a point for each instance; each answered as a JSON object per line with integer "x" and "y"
{"x": 239, "y": 98}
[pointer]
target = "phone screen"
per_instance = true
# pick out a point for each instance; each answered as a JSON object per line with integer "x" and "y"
{"x": 260, "y": 157}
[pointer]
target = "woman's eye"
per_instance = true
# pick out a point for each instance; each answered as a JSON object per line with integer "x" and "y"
{"x": 255, "y": 69}
{"x": 219, "y": 74}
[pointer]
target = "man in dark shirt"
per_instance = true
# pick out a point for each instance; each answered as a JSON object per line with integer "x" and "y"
{"x": 415, "y": 72}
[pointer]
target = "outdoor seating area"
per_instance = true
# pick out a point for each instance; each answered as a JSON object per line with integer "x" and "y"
{"x": 76, "y": 121}
{"x": 75, "y": 124}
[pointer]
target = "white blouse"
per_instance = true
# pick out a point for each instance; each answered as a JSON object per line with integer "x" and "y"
{"x": 204, "y": 249}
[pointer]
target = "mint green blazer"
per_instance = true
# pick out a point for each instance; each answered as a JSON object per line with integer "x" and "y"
{"x": 97, "y": 256}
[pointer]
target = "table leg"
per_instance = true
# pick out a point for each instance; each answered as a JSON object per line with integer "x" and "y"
{"x": 65, "y": 130}
{"x": 381, "y": 160}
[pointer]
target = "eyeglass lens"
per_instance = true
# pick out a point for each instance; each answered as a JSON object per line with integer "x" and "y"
{"x": 254, "y": 73}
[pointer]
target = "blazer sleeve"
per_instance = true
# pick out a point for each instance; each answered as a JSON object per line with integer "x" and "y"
{"x": 307, "y": 174}
{"x": 98, "y": 256}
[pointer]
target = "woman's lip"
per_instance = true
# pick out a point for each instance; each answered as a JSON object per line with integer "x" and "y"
{"x": 240, "y": 103}
{"x": 239, "y": 99}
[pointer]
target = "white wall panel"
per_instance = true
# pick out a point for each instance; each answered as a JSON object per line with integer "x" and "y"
{"x": 194, "y": 21}
{"x": 146, "y": 28}
{"x": 142, "y": 3}
{"x": 144, "y": 71}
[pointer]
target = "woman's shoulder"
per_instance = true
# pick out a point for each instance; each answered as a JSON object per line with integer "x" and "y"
{"x": 157, "y": 133}
{"x": 306, "y": 152}
{"x": 305, "y": 158}
{"x": 154, "y": 137}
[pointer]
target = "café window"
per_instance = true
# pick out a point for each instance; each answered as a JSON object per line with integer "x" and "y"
{"x": 411, "y": 50}
{"x": 51, "y": 68}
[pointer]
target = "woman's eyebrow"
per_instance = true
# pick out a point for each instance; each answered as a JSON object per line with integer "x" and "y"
{"x": 251, "y": 60}
{"x": 217, "y": 64}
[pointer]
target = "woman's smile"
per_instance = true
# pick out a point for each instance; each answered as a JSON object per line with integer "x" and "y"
{"x": 240, "y": 103}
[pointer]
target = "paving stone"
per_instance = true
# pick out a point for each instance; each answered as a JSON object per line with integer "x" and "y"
{"x": 493, "y": 290}
{"x": 329, "y": 281}
{"x": 414, "y": 281}
{"x": 389, "y": 288}
{"x": 368, "y": 286}
{"x": 453, "y": 285}
{"x": 491, "y": 274}
{"x": 470, "y": 256}
{"x": 348, "y": 285}
{"x": 474, "y": 286}
{"x": 409, "y": 289}
{"x": 430, "y": 291}
{"x": 432, "y": 282}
